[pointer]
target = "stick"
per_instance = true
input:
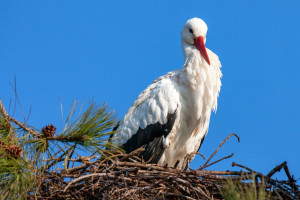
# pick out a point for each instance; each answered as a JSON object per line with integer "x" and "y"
{"x": 218, "y": 149}
{"x": 218, "y": 160}
{"x": 132, "y": 154}
{"x": 276, "y": 169}
{"x": 239, "y": 165}
{"x": 291, "y": 179}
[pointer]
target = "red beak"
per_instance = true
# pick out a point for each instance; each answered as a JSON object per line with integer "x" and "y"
{"x": 199, "y": 44}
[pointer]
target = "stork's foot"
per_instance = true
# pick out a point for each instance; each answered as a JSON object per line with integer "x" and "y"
{"x": 186, "y": 162}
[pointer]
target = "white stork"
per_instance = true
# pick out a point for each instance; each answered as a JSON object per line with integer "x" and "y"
{"x": 170, "y": 118}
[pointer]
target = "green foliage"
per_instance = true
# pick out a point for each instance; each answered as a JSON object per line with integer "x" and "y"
{"x": 16, "y": 177}
{"x": 89, "y": 130}
{"x": 244, "y": 190}
{"x": 4, "y": 127}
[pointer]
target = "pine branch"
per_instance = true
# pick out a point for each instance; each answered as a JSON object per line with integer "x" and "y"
{"x": 23, "y": 126}
{"x": 5, "y": 115}
{"x": 90, "y": 129}
{"x": 18, "y": 175}
{"x": 3, "y": 111}
{"x": 9, "y": 118}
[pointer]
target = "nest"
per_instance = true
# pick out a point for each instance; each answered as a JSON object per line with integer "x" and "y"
{"x": 117, "y": 175}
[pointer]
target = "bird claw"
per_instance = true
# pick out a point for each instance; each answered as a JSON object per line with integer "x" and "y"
{"x": 186, "y": 161}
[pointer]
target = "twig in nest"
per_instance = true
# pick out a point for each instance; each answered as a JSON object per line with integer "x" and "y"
{"x": 139, "y": 180}
{"x": 84, "y": 177}
{"x": 198, "y": 154}
{"x": 85, "y": 158}
{"x": 150, "y": 159}
{"x": 242, "y": 166}
{"x": 201, "y": 155}
{"x": 205, "y": 164}
{"x": 132, "y": 154}
{"x": 291, "y": 179}
{"x": 276, "y": 169}
{"x": 226, "y": 157}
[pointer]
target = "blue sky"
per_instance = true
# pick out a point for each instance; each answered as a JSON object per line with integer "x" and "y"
{"x": 112, "y": 50}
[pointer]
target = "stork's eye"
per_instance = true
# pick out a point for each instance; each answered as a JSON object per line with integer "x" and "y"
{"x": 190, "y": 30}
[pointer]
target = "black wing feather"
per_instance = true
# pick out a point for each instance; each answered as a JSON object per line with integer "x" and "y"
{"x": 151, "y": 138}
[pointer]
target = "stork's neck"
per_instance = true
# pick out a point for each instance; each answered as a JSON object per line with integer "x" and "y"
{"x": 193, "y": 64}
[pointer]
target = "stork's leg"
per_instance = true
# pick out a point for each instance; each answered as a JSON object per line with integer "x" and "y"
{"x": 187, "y": 165}
{"x": 176, "y": 164}
{"x": 186, "y": 161}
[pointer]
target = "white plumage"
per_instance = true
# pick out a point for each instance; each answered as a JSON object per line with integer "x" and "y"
{"x": 170, "y": 118}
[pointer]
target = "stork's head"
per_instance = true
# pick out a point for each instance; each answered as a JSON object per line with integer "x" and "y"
{"x": 194, "y": 34}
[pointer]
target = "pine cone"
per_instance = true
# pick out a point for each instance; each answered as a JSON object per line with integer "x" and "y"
{"x": 49, "y": 130}
{"x": 15, "y": 151}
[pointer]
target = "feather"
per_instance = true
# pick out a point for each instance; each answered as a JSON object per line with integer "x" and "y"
{"x": 151, "y": 138}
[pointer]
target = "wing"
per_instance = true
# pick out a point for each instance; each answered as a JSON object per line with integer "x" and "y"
{"x": 152, "y": 138}
{"x": 150, "y": 119}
